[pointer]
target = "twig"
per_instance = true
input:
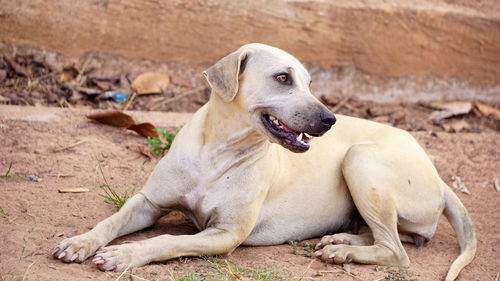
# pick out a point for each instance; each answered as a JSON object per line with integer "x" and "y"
{"x": 498, "y": 276}
{"x": 24, "y": 276}
{"x": 122, "y": 273}
{"x": 73, "y": 190}
{"x": 129, "y": 101}
{"x": 138, "y": 277}
{"x": 489, "y": 276}
{"x": 340, "y": 271}
{"x": 84, "y": 67}
{"x": 167, "y": 101}
{"x": 340, "y": 104}
{"x": 70, "y": 146}
{"x": 305, "y": 271}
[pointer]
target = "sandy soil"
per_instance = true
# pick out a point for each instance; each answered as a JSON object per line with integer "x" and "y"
{"x": 34, "y": 216}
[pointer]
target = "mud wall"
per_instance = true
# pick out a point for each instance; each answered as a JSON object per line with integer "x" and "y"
{"x": 411, "y": 37}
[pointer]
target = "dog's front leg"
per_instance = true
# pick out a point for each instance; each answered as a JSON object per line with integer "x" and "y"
{"x": 211, "y": 241}
{"x": 136, "y": 214}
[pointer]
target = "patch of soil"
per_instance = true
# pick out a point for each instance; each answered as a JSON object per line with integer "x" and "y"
{"x": 34, "y": 216}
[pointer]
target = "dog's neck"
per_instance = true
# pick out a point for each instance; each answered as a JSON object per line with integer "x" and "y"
{"x": 225, "y": 126}
{"x": 228, "y": 136}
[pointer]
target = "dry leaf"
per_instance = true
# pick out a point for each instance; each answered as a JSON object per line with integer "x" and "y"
{"x": 73, "y": 190}
{"x": 458, "y": 185}
{"x": 450, "y": 109}
{"x": 150, "y": 83}
{"x": 456, "y": 126}
{"x": 122, "y": 120}
{"x": 496, "y": 183}
{"x": 178, "y": 80}
{"x": 113, "y": 118}
{"x": 487, "y": 110}
{"x": 19, "y": 69}
{"x": 144, "y": 129}
{"x": 330, "y": 100}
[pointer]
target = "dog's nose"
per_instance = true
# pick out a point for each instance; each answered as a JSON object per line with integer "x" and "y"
{"x": 327, "y": 118}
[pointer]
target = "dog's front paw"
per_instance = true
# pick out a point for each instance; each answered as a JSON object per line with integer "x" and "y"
{"x": 331, "y": 239}
{"x": 364, "y": 239}
{"x": 334, "y": 253}
{"x": 75, "y": 249}
{"x": 120, "y": 257}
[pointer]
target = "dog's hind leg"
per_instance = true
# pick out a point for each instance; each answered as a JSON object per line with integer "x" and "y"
{"x": 369, "y": 177}
{"x": 137, "y": 213}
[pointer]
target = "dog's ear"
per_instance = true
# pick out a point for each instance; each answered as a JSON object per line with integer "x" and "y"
{"x": 223, "y": 76}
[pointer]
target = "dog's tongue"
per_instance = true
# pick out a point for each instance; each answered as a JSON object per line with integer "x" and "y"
{"x": 285, "y": 128}
{"x": 295, "y": 135}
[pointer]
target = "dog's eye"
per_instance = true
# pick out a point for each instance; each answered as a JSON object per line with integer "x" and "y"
{"x": 283, "y": 78}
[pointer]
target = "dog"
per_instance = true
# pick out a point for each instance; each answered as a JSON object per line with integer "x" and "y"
{"x": 259, "y": 165}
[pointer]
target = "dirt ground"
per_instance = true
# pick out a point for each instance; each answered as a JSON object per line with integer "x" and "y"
{"x": 35, "y": 216}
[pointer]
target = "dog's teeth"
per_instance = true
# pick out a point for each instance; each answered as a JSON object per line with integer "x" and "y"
{"x": 303, "y": 142}
{"x": 272, "y": 117}
{"x": 307, "y": 135}
{"x": 299, "y": 137}
{"x": 276, "y": 122}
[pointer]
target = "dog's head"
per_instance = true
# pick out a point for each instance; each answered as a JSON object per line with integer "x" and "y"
{"x": 273, "y": 87}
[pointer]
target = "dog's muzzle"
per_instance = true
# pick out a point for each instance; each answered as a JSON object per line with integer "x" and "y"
{"x": 298, "y": 141}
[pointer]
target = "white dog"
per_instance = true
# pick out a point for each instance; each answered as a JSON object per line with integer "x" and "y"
{"x": 235, "y": 171}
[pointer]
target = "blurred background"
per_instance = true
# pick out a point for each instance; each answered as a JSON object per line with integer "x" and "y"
{"x": 88, "y": 53}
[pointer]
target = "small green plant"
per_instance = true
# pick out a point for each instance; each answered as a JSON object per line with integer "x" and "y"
{"x": 7, "y": 175}
{"x": 112, "y": 198}
{"x": 162, "y": 144}
{"x": 399, "y": 275}
{"x": 4, "y": 212}
{"x": 221, "y": 269}
{"x": 306, "y": 250}
{"x": 187, "y": 277}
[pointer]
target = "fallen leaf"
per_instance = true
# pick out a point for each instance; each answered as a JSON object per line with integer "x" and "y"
{"x": 496, "y": 183}
{"x": 150, "y": 83}
{"x": 113, "y": 118}
{"x": 144, "y": 129}
{"x": 73, "y": 190}
{"x": 330, "y": 100}
{"x": 450, "y": 109}
{"x": 458, "y": 185}
{"x": 178, "y": 80}
{"x": 19, "y": 69}
{"x": 456, "y": 126}
{"x": 122, "y": 120}
{"x": 487, "y": 110}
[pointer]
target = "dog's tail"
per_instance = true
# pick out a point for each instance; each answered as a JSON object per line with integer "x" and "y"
{"x": 462, "y": 224}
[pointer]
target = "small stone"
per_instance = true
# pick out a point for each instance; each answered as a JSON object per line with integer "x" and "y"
{"x": 34, "y": 178}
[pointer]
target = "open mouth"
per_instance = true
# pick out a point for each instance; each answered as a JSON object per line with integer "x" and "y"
{"x": 295, "y": 141}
